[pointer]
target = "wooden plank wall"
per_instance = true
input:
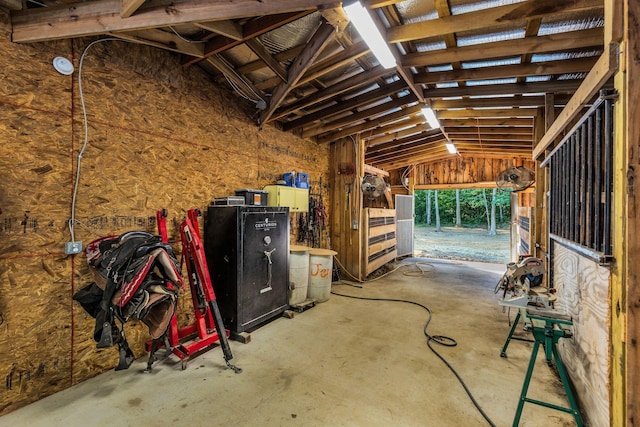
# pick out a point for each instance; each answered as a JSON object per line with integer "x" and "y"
{"x": 346, "y": 197}
{"x": 380, "y": 238}
{"x": 160, "y": 136}
{"x": 458, "y": 171}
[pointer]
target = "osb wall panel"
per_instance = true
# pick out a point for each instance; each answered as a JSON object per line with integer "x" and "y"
{"x": 160, "y": 136}
{"x": 461, "y": 170}
{"x": 583, "y": 290}
{"x": 35, "y": 334}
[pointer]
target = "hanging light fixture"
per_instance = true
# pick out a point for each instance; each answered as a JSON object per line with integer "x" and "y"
{"x": 428, "y": 113}
{"x": 63, "y": 65}
{"x": 360, "y": 18}
{"x": 451, "y": 148}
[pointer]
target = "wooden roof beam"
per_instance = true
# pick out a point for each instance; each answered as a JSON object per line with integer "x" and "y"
{"x": 227, "y": 69}
{"x": 491, "y": 17}
{"x": 498, "y": 130}
{"x": 484, "y": 122}
{"x": 163, "y": 40}
{"x": 398, "y": 126}
{"x": 334, "y": 90}
{"x": 514, "y": 101}
{"x": 228, "y": 28}
{"x": 437, "y": 154}
{"x": 398, "y": 116}
{"x": 491, "y": 113}
{"x": 374, "y": 4}
{"x": 258, "y": 48}
{"x": 540, "y": 44}
{"x": 413, "y": 130}
{"x": 409, "y": 142}
{"x": 343, "y": 106}
{"x": 489, "y": 139}
{"x": 505, "y": 71}
{"x": 501, "y": 154}
{"x": 99, "y": 17}
{"x": 251, "y": 29}
{"x": 280, "y": 57}
{"x": 312, "y": 50}
{"x": 334, "y": 62}
{"x": 129, "y": 7}
{"x": 362, "y": 115}
{"x": 564, "y": 86}
{"x": 376, "y": 171}
{"x": 493, "y": 145}
{"x": 414, "y": 157}
{"x": 11, "y": 4}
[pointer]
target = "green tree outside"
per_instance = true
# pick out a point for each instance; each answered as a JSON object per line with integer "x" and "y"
{"x": 472, "y": 207}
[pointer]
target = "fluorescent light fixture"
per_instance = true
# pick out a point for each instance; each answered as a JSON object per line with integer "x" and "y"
{"x": 431, "y": 117}
{"x": 451, "y": 148}
{"x": 360, "y": 18}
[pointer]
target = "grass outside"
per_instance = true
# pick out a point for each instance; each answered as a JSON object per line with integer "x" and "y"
{"x": 470, "y": 244}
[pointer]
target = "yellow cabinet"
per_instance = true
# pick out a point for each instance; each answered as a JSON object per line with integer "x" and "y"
{"x": 296, "y": 199}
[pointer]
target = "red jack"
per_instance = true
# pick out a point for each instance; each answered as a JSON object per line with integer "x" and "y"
{"x": 204, "y": 332}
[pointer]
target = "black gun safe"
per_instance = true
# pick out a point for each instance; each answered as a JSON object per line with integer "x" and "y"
{"x": 247, "y": 250}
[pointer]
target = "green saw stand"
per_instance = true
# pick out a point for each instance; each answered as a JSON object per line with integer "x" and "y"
{"x": 547, "y": 330}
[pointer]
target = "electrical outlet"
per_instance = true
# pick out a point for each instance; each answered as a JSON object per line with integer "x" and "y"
{"x": 72, "y": 248}
{"x": 354, "y": 224}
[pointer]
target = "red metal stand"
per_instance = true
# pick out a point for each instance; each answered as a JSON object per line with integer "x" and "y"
{"x": 204, "y": 332}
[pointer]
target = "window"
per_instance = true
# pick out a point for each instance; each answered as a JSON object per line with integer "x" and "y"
{"x": 580, "y": 184}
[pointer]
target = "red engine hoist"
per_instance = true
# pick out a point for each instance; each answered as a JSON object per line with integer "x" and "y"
{"x": 205, "y": 331}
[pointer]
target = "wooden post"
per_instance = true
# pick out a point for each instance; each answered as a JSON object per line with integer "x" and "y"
{"x": 630, "y": 129}
{"x": 539, "y": 233}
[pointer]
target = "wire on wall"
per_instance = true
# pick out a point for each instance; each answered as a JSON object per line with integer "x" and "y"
{"x": 248, "y": 93}
{"x": 73, "y": 221}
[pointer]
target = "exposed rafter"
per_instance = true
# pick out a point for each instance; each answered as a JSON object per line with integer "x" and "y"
{"x": 490, "y": 17}
{"x": 129, "y": 7}
{"x": 501, "y": 49}
{"x": 302, "y": 63}
{"x": 92, "y": 18}
{"x": 255, "y": 28}
{"x": 327, "y": 90}
{"x": 163, "y": 40}
{"x": 506, "y": 71}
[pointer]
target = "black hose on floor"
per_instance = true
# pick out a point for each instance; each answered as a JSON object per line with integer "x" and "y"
{"x": 438, "y": 339}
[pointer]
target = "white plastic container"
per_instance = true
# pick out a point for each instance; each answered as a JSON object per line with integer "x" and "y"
{"x": 320, "y": 273}
{"x": 298, "y": 273}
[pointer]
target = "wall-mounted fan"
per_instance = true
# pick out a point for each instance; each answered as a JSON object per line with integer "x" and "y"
{"x": 516, "y": 178}
{"x": 372, "y": 186}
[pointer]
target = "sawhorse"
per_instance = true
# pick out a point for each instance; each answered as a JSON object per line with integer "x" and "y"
{"x": 547, "y": 331}
{"x": 503, "y": 352}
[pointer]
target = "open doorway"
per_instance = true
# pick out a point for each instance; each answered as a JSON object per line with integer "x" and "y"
{"x": 465, "y": 224}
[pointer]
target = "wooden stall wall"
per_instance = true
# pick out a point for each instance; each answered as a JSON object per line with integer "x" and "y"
{"x": 459, "y": 172}
{"x": 160, "y": 136}
{"x": 347, "y": 205}
{"x": 583, "y": 293}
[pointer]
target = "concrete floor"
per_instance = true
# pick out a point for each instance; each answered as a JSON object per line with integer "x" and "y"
{"x": 344, "y": 362}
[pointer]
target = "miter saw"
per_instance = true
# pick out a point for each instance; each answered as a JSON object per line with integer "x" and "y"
{"x": 521, "y": 285}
